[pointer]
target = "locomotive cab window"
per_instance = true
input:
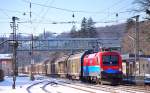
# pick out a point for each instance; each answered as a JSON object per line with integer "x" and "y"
{"x": 110, "y": 59}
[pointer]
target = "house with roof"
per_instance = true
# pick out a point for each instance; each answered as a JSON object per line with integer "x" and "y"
{"x": 6, "y": 63}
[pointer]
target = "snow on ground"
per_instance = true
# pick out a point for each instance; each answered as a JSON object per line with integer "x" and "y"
{"x": 23, "y": 82}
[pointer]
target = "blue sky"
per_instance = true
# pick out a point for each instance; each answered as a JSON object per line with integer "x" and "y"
{"x": 99, "y": 10}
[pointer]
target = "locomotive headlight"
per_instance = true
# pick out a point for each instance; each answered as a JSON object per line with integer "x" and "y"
{"x": 120, "y": 69}
{"x": 102, "y": 69}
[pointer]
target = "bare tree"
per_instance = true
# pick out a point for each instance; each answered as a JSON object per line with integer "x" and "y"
{"x": 129, "y": 24}
{"x": 144, "y": 5}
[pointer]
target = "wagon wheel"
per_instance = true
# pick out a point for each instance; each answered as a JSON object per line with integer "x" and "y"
{"x": 97, "y": 80}
{"x": 100, "y": 80}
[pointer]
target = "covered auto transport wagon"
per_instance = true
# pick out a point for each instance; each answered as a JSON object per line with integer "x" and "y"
{"x": 74, "y": 66}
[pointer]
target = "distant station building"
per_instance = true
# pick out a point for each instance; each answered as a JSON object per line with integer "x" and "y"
{"x": 132, "y": 68}
{"x": 6, "y": 63}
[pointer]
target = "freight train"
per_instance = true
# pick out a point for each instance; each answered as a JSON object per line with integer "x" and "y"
{"x": 100, "y": 67}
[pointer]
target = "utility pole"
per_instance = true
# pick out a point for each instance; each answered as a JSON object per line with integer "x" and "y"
{"x": 30, "y": 12}
{"x": 138, "y": 79}
{"x": 137, "y": 41}
{"x": 15, "y": 45}
{"x": 32, "y": 59}
{"x": 137, "y": 60}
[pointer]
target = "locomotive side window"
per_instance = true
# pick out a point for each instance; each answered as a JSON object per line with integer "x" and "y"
{"x": 110, "y": 60}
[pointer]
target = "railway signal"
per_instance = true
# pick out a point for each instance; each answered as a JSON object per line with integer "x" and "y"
{"x": 15, "y": 45}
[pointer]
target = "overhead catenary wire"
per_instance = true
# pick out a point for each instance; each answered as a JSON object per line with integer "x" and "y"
{"x": 74, "y": 11}
{"x": 4, "y": 22}
{"x": 30, "y": 11}
{"x": 4, "y": 12}
{"x": 40, "y": 12}
{"x": 16, "y": 11}
{"x": 114, "y": 4}
{"x": 66, "y": 22}
{"x": 82, "y": 11}
{"x": 67, "y": 10}
{"x": 55, "y": 22}
{"x": 44, "y": 13}
{"x": 9, "y": 10}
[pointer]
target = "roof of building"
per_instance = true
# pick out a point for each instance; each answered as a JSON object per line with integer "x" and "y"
{"x": 131, "y": 56}
{"x": 5, "y": 56}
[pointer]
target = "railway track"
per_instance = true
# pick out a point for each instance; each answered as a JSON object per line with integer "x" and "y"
{"x": 41, "y": 87}
{"x": 133, "y": 89}
{"x": 115, "y": 89}
{"x": 44, "y": 87}
{"x": 49, "y": 86}
{"x": 91, "y": 86}
{"x": 78, "y": 88}
{"x": 121, "y": 88}
{"x": 65, "y": 86}
{"x": 29, "y": 88}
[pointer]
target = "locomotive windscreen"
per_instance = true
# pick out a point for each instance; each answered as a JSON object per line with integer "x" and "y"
{"x": 110, "y": 59}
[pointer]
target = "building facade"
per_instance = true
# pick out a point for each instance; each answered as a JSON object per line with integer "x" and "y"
{"x": 133, "y": 68}
{"x": 6, "y": 64}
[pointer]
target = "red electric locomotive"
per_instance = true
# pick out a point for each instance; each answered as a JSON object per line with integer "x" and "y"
{"x": 110, "y": 66}
{"x": 104, "y": 66}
